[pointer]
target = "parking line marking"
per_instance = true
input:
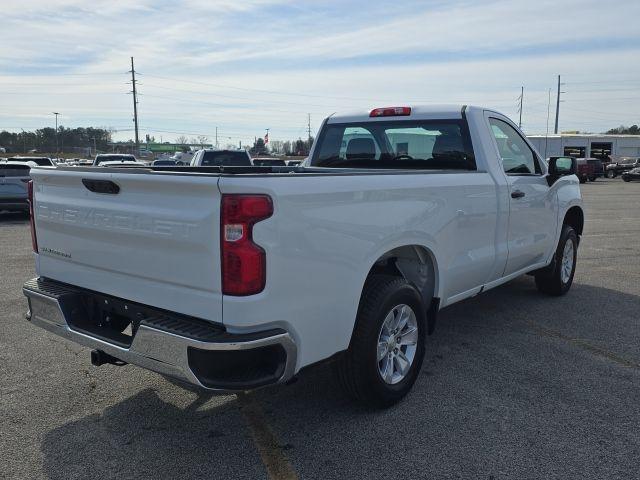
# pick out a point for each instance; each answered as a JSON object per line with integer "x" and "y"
{"x": 273, "y": 458}
{"x": 584, "y": 345}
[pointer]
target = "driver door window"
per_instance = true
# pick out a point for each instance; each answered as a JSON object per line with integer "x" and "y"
{"x": 517, "y": 157}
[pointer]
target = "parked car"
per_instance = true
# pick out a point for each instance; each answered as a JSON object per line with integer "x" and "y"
{"x": 37, "y": 161}
{"x": 402, "y": 211}
{"x": 113, "y": 157}
{"x": 586, "y": 170}
{"x": 14, "y": 177}
{"x": 269, "y": 162}
{"x": 633, "y": 174}
{"x": 164, "y": 163}
{"x": 215, "y": 158}
{"x": 598, "y": 168}
{"x": 122, "y": 163}
{"x": 182, "y": 158}
{"x": 624, "y": 165}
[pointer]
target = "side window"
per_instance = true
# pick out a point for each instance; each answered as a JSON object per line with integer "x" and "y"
{"x": 517, "y": 157}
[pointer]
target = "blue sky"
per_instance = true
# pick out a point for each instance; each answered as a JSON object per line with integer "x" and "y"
{"x": 244, "y": 66}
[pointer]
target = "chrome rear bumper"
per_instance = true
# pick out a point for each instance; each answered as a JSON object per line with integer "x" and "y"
{"x": 164, "y": 346}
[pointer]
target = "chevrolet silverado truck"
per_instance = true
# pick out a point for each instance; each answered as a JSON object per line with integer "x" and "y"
{"x": 230, "y": 278}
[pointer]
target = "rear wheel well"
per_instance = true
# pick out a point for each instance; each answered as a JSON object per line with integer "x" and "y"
{"x": 575, "y": 219}
{"x": 415, "y": 264}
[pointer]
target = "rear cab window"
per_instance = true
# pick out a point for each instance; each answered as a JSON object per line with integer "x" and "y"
{"x": 212, "y": 159}
{"x": 396, "y": 144}
{"x": 114, "y": 158}
{"x": 40, "y": 161}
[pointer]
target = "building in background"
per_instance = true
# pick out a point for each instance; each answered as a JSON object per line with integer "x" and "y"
{"x": 604, "y": 147}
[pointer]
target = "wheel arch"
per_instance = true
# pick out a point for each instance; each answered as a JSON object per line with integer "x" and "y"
{"x": 575, "y": 219}
{"x": 415, "y": 263}
{"x": 418, "y": 265}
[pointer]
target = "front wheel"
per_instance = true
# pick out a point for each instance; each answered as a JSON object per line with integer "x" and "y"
{"x": 626, "y": 179}
{"x": 558, "y": 277}
{"x": 388, "y": 343}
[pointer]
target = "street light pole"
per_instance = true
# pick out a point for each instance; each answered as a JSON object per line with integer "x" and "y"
{"x": 56, "y": 114}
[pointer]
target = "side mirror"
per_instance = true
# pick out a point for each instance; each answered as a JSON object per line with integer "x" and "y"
{"x": 562, "y": 166}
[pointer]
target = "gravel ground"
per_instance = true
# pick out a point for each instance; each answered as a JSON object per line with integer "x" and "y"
{"x": 515, "y": 385}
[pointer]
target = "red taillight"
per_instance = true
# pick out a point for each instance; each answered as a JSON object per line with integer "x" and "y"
{"x": 391, "y": 112}
{"x": 32, "y": 218}
{"x": 244, "y": 266}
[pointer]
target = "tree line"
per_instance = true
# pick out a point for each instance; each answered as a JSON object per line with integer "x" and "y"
{"x": 622, "y": 130}
{"x": 44, "y": 139}
{"x": 279, "y": 147}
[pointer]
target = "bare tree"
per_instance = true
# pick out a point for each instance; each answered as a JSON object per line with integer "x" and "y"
{"x": 202, "y": 139}
{"x": 182, "y": 140}
{"x": 277, "y": 146}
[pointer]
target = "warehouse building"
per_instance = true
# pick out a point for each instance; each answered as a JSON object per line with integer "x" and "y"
{"x": 578, "y": 145}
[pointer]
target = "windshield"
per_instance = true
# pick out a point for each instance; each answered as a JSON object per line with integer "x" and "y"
{"x": 40, "y": 161}
{"x": 215, "y": 158}
{"x": 12, "y": 170}
{"x": 114, "y": 158}
{"x": 401, "y": 144}
{"x": 269, "y": 162}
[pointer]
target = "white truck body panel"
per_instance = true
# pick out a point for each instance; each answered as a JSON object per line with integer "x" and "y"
{"x": 158, "y": 241}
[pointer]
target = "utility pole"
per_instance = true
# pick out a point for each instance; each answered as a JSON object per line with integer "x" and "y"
{"x": 555, "y": 130}
{"x": 546, "y": 138}
{"x": 520, "y": 109}
{"x": 135, "y": 105}
{"x": 95, "y": 150}
{"x": 56, "y": 114}
{"x": 216, "y": 137}
{"x": 309, "y": 128}
{"x": 24, "y": 141}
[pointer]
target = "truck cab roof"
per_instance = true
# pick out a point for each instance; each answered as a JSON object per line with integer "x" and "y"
{"x": 415, "y": 112}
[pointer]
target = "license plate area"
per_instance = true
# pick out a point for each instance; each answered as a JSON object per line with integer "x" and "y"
{"x": 111, "y": 319}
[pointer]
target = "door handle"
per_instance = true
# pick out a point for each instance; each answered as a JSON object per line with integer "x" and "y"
{"x": 517, "y": 194}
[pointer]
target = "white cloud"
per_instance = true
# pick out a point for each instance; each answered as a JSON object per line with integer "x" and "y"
{"x": 72, "y": 56}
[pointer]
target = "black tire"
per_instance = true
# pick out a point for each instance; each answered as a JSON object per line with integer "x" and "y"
{"x": 357, "y": 369}
{"x": 626, "y": 179}
{"x": 592, "y": 178}
{"x": 583, "y": 179}
{"x": 550, "y": 280}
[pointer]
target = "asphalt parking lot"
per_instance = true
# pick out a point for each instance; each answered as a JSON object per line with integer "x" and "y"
{"x": 514, "y": 385}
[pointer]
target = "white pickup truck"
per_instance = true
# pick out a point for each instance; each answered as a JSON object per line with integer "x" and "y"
{"x": 232, "y": 278}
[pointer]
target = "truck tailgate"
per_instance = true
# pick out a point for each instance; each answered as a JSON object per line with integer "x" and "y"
{"x": 156, "y": 241}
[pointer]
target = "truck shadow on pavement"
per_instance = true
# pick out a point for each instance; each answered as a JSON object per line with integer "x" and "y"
{"x": 508, "y": 377}
{"x": 13, "y": 218}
